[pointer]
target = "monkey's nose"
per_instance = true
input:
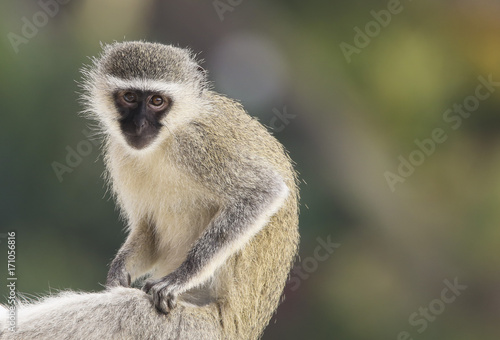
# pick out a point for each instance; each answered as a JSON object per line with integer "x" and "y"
{"x": 140, "y": 123}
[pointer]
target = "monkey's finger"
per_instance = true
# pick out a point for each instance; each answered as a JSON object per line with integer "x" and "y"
{"x": 161, "y": 303}
{"x": 164, "y": 307}
{"x": 157, "y": 302}
{"x": 171, "y": 301}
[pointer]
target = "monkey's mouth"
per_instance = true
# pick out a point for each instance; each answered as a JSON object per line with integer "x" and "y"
{"x": 140, "y": 140}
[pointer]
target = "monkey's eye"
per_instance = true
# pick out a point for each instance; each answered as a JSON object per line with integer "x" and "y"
{"x": 130, "y": 97}
{"x": 156, "y": 100}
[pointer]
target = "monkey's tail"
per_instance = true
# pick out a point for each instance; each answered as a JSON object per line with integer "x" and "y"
{"x": 116, "y": 313}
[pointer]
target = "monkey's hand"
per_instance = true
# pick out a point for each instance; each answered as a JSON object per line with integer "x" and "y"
{"x": 118, "y": 274}
{"x": 228, "y": 231}
{"x": 164, "y": 292}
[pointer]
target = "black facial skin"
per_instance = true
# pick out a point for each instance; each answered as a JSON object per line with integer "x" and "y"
{"x": 140, "y": 115}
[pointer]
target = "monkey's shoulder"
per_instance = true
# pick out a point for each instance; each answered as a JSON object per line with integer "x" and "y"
{"x": 226, "y": 133}
{"x": 225, "y": 148}
{"x": 225, "y": 123}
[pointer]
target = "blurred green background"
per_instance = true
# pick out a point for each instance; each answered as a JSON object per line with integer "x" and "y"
{"x": 347, "y": 119}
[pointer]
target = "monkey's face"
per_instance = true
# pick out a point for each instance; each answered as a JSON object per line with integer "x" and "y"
{"x": 140, "y": 115}
{"x": 142, "y": 93}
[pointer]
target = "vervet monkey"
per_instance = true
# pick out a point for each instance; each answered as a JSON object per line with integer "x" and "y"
{"x": 211, "y": 204}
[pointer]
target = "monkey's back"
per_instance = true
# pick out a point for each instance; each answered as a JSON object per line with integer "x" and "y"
{"x": 252, "y": 280}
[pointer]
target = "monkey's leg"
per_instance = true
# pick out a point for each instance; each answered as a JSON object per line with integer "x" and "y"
{"x": 135, "y": 257}
{"x": 116, "y": 313}
{"x": 231, "y": 228}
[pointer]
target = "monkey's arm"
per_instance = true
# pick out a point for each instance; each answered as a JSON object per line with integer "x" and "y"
{"x": 134, "y": 257}
{"x": 251, "y": 193}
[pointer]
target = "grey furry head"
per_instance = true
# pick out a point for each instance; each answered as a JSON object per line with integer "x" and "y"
{"x": 167, "y": 70}
{"x": 138, "y": 59}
